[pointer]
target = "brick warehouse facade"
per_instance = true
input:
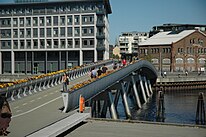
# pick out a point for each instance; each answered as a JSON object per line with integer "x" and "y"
{"x": 176, "y": 51}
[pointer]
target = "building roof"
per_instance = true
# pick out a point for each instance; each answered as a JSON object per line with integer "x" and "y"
{"x": 55, "y": 2}
{"x": 166, "y": 38}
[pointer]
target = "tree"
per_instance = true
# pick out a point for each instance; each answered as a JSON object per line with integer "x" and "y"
{"x": 148, "y": 57}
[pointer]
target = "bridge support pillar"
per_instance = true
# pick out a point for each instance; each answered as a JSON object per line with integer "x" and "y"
{"x": 112, "y": 106}
{"x": 150, "y": 87}
{"x": 137, "y": 99}
{"x": 146, "y": 86}
{"x": 142, "y": 89}
{"x": 125, "y": 102}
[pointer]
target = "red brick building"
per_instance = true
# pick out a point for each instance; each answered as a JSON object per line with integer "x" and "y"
{"x": 176, "y": 50}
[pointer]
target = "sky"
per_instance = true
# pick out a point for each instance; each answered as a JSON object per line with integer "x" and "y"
{"x": 142, "y": 15}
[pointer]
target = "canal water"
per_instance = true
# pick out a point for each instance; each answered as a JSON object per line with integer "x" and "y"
{"x": 180, "y": 107}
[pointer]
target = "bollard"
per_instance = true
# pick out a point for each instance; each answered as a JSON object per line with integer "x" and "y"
{"x": 81, "y": 104}
{"x": 160, "y": 107}
{"x": 200, "y": 112}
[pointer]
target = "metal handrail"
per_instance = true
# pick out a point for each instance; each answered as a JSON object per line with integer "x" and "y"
{"x": 46, "y": 82}
{"x": 88, "y": 91}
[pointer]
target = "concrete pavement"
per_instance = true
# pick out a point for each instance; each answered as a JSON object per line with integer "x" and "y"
{"x": 96, "y": 128}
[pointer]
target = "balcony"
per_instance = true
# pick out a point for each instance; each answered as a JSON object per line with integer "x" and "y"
{"x": 100, "y": 23}
{"x": 100, "y": 47}
{"x": 100, "y": 35}
{"x": 100, "y": 12}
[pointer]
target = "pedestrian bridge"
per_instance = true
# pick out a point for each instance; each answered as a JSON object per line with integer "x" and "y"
{"x": 134, "y": 80}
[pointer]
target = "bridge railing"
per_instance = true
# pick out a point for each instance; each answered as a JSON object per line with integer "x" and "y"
{"x": 39, "y": 83}
{"x": 71, "y": 99}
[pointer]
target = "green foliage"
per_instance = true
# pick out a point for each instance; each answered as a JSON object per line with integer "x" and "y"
{"x": 148, "y": 57}
{"x": 115, "y": 56}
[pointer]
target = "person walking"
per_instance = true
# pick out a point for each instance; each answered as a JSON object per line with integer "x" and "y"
{"x": 65, "y": 80}
{"x": 104, "y": 69}
{"x": 115, "y": 66}
{"x": 99, "y": 72}
{"x": 5, "y": 116}
{"x": 124, "y": 62}
{"x": 93, "y": 73}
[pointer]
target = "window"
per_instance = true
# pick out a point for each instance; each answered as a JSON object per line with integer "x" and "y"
{"x": 28, "y": 44}
{"x": 28, "y": 21}
{"x": 179, "y": 60}
{"x": 69, "y": 43}
{"x": 69, "y": 32}
{"x": 15, "y": 22}
{"x": 15, "y": 33}
{"x": 92, "y": 42}
{"x": 35, "y": 44}
{"x": 21, "y": 21}
{"x": 76, "y": 19}
{"x": 55, "y": 21}
{"x": 166, "y": 61}
{"x": 42, "y": 32}
{"x": 55, "y": 32}
{"x": 85, "y": 42}
{"x": 62, "y": 32}
{"x": 48, "y": 32}
{"x": 202, "y": 60}
{"x": 62, "y": 20}
{"x": 76, "y": 31}
{"x": 91, "y": 31}
{"x": 155, "y": 61}
{"x": 42, "y": 43}
{"x": 15, "y": 46}
{"x": 69, "y": 20}
{"x": 56, "y": 43}
{"x": 21, "y": 33}
{"x": 35, "y": 21}
{"x": 35, "y": 32}
{"x": 190, "y": 60}
{"x": 84, "y": 30}
{"x": 48, "y": 20}
{"x": 22, "y": 44}
{"x": 41, "y": 21}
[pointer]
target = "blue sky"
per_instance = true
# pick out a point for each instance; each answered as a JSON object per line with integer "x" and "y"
{"x": 142, "y": 15}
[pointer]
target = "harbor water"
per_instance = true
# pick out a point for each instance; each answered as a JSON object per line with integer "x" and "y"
{"x": 180, "y": 107}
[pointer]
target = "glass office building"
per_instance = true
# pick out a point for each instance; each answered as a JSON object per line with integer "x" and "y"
{"x": 42, "y": 37}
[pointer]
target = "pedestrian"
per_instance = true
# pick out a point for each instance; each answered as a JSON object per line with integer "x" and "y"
{"x": 104, "y": 69}
{"x": 115, "y": 66}
{"x": 93, "y": 73}
{"x": 186, "y": 72}
{"x": 165, "y": 74}
{"x": 65, "y": 79}
{"x": 124, "y": 62}
{"x": 5, "y": 116}
{"x": 99, "y": 72}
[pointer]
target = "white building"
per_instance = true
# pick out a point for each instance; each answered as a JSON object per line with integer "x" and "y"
{"x": 40, "y": 37}
{"x": 128, "y": 42}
